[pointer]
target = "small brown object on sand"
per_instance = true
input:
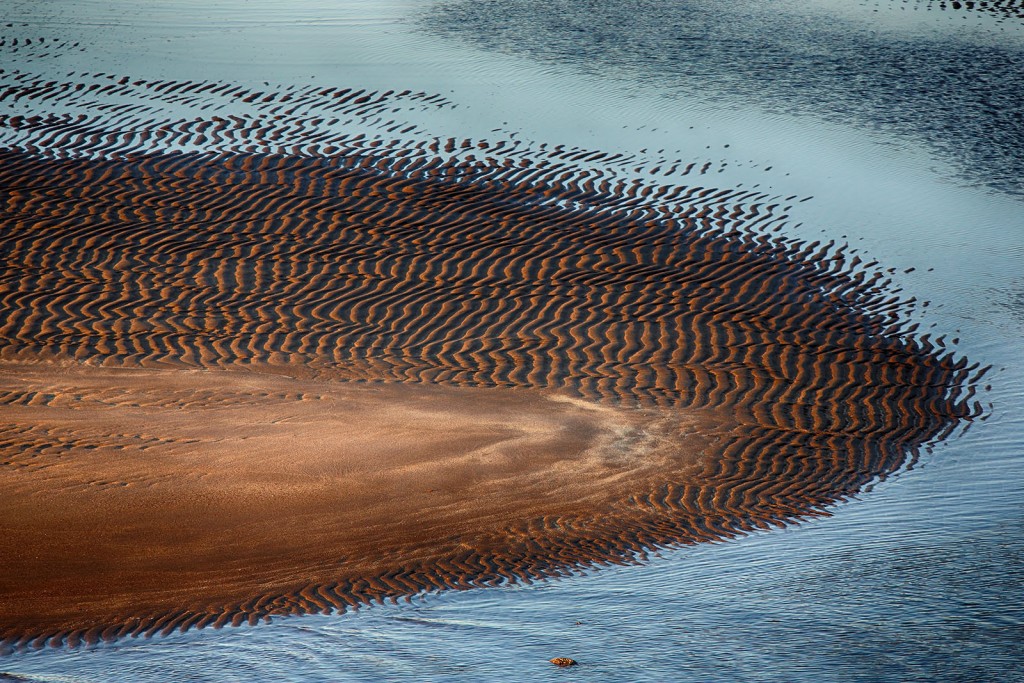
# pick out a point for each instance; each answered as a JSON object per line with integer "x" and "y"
{"x": 564, "y": 661}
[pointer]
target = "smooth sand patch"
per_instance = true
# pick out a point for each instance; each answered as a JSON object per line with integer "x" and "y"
{"x": 135, "y": 493}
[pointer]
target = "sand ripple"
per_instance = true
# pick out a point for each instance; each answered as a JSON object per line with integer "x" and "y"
{"x": 160, "y": 296}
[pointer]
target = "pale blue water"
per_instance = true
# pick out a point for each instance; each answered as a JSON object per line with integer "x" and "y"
{"x": 919, "y": 579}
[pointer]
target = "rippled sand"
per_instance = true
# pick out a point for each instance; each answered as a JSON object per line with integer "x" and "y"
{"x": 331, "y": 369}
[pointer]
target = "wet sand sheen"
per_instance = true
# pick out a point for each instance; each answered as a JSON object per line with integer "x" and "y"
{"x": 134, "y": 494}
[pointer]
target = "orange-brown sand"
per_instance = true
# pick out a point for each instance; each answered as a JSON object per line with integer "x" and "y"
{"x": 132, "y": 495}
{"x": 758, "y": 379}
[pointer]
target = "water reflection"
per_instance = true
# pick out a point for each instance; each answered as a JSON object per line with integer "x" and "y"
{"x": 961, "y": 97}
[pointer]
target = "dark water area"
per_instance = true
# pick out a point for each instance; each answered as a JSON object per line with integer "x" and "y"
{"x": 963, "y": 100}
{"x": 889, "y": 133}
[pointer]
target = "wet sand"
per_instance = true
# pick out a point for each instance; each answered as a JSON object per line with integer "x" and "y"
{"x": 154, "y": 499}
{"x": 337, "y": 370}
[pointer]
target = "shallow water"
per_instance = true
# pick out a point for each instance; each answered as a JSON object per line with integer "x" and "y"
{"x": 917, "y": 579}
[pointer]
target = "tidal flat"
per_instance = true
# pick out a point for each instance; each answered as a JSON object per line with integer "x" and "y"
{"x": 392, "y": 341}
